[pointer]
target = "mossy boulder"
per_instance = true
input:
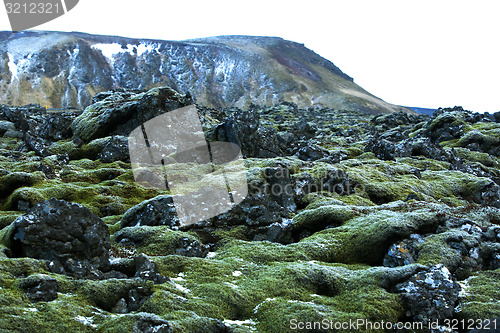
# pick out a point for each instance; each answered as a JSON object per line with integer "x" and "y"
{"x": 120, "y": 114}
{"x": 160, "y": 240}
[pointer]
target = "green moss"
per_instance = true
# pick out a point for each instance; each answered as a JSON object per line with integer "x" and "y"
{"x": 119, "y": 194}
{"x": 170, "y": 302}
{"x": 14, "y": 180}
{"x": 423, "y": 163}
{"x": 231, "y": 288}
{"x": 7, "y": 217}
{"x": 388, "y": 181}
{"x": 19, "y": 267}
{"x": 480, "y": 296}
{"x": 485, "y": 159}
{"x": 105, "y": 294}
{"x": 92, "y": 176}
{"x": 355, "y": 200}
{"x": 12, "y": 297}
{"x": 314, "y": 292}
{"x": 435, "y": 250}
{"x": 61, "y": 315}
{"x": 236, "y": 232}
{"x": 63, "y": 147}
{"x": 125, "y": 323}
{"x": 366, "y": 239}
{"x": 318, "y": 218}
{"x": 260, "y": 252}
{"x": 26, "y": 194}
{"x": 156, "y": 241}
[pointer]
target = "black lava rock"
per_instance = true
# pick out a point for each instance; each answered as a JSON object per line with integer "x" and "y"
{"x": 429, "y": 295}
{"x": 157, "y": 211}
{"x": 67, "y": 234}
{"x": 147, "y": 270}
{"x": 383, "y": 149}
{"x": 116, "y": 149}
{"x": 40, "y": 288}
{"x": 243, "y": 128}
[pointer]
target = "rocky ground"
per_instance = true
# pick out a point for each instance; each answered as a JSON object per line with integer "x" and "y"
{"x": 391, "y": 218}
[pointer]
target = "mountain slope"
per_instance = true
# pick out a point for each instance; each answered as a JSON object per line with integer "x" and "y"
{"x": 66, "y": 69}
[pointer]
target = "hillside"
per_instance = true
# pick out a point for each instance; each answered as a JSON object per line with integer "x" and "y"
{"x": 57, "y": 69}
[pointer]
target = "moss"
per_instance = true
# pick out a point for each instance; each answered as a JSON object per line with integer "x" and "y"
{"x": 479, "y": 299}
{"x": 106, "y": 293}
{"x": 423, "y": 163}
{"x": 236, "y": 232}
{"x": 319, "y": 218}
{"x": 130, "y": 322}
{"x": 259, "y": 252}
{"x": 56, "y": 316}
{"x": 314, "y": 292}
{"x": 236, "y": 289}
{"x": 158, "y": 240}
{"x": 12, "y": 296}
{"x": 7, "y": 217}
{"x": 366, "y": 239}
{"x": 14, "y": 180}
{"x": 435, "y": 250}
{"x": 26, "y": 194}
{"x": 113, "y": 227}
{"x": 388, "y": 181}
{"x": 92, "y": 176}
{"x": 454, "y": 119}
{"x": 485, "y": 159}
{"x": 20, "y": 267}
{"x": 63, "y": 147}
{"x": 119, "y": 194}
{"x": 355, "y": 200}
{"x": 170, "y": 302}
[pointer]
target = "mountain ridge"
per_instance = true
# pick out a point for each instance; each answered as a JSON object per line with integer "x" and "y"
{"x": 62, "y": 69}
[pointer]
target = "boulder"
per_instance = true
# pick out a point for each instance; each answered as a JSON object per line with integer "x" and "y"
{"x": 429, "y": 295}
{"x": 40, "y": 288}
{"x": 244, "y": 129}
{"x": 160, "y": 240}
{"x": 154, "y": 212}
{"x": 121, "y": 113}
{"x": 75, "y": 241}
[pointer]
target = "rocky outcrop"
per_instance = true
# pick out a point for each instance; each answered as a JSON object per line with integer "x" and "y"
{"x": 121, "y": 113}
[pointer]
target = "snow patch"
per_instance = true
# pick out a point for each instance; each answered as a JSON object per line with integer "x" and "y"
{"x": 464, "y": 288}
{"x": 12, "y": 68}
{"x": 258, "y": 305}
{"x": 232, "y": 285}
{"x": 108, "y": 50}
{"x": 143, "y": 48}
{"x": 30, "y": 309}
{"x": 239, "y": 322}
{"x": 210, "y": 255}
{"x": 181, "y": 288}
{"x": 88, "y": 321}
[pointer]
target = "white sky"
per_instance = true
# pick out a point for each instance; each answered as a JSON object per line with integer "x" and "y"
{"x": 437, "y": 53}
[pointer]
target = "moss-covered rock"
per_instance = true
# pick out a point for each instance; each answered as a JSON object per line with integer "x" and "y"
{"x": 119, "y": 114}
{"x": 160, "y": 241}
{"x": 480, "y": 295}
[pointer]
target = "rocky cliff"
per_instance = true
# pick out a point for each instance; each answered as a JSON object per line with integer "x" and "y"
{"x": 57, "y": 69}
